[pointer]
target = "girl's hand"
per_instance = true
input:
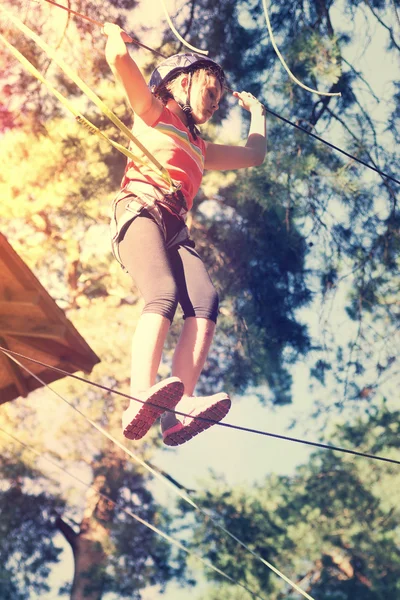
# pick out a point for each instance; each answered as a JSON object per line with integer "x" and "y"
{"x": 114, "y": 31}
{"x": 248, "y": 101}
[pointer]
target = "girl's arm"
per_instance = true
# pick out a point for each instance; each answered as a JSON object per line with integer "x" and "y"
{"x": 125, "y": 70}
{"x": 222, "y": 157}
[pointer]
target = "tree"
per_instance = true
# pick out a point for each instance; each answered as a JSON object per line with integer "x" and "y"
{"x": 27, "y": 549}
{"x": 112, "y": 552}
{"x": 332, "y": 527}
{"x": 351, "y": 239}
{"x": 306, "y": 226}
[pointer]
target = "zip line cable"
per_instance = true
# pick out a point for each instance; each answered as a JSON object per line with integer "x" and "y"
{"x": 99, "y": 24}
{"x": 159, "y": 532}
{"x": 127, "y": 131}
{"x": 273, "y": 113}
{"x": 165, "y": 481}
{"x": 320, "y": 139}
{"x": 135, "y": 41}
{"x": 220, "y": 424}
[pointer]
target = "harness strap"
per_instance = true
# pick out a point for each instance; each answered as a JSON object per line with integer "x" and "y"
{"x": 156, "y": 165}
{"x": 175, "y": 201}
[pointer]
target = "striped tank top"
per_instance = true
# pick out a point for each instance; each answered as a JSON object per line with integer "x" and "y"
{"x": 175, "y": 148}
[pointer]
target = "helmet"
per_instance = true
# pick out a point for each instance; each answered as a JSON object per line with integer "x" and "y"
{"x": 182, "y": 63}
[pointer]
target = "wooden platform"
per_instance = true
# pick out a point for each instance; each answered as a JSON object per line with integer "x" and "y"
{"x": 32, "y": 324}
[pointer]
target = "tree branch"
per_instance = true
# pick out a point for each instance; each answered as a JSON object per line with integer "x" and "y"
{"x": 67, "y": 532}
{"x": 389, "y": 29}
{"x": 358, "y": 73}
{"x": 384, "y": 180}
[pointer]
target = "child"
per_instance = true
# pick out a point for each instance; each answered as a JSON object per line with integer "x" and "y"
{"x": 150, "y": 238}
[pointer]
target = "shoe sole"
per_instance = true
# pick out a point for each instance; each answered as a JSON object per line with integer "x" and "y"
{"x": 166, "y": 397}
{"x": 179, "y": 434}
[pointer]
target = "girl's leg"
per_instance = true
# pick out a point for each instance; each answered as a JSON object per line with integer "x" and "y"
{"x": 199, "y": 301}
{"x": 192, "y": 351}
{"x": 147, "y": 346}
{"x": 143, "y": 253}
{"x": 144, "y": 256}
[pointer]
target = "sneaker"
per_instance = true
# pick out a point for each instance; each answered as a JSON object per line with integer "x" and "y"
{"x": 177, "y": 430}
{"x": 138, "y": 418}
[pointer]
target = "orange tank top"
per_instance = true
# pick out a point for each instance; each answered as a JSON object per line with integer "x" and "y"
{"x": 175, "y": 148}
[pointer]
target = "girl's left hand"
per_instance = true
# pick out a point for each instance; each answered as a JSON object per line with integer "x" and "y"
{"x": 111, "y": 30}
{"x": 247, "y": 101}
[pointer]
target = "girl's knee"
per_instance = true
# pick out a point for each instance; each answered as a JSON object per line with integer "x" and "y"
{"x": 213, "y": 305}
{"x": 206, "y": 307}
{"x": 163, "y": 300}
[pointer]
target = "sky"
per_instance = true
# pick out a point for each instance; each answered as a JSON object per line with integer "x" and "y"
{"x": 243, "y": 458}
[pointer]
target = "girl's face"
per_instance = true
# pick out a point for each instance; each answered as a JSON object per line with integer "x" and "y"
{"x": 205, "y": 95}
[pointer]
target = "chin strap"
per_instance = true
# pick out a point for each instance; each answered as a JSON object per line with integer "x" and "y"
{"x": 187, "y": 109}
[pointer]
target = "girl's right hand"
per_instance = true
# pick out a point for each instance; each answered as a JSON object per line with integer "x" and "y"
{"x": 113, "y": 30}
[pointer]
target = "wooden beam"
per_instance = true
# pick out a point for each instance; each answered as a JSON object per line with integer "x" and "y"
{"x": 14, "y": 308}
{"x": 14, "y": 371}
{"x": 65, "y": 356}
{"x": 20, "y": 296}
{"x": 26, "y": 326}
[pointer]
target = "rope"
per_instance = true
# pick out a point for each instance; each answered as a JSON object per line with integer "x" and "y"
{"x": 164, "y": 480}
{"x": 99, "y": 24}
{"x": 99, "y": 103}
{"x": 227, "y": 425}
{"x": 320, "y": 139}
{"x": 275, "y": 47}
{"x": 79, "y": 117}
{"x": 159, "y": 532}
{"x": 175, "y": 32}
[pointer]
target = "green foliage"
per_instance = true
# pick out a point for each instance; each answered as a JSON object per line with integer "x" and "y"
{"x": 307, "y": 231}
{"x": 27, "y": 548}
{"x": 257, "y": 257}
{"x": 333, "y": 525}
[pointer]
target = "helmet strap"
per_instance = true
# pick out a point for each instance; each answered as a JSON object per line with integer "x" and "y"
{"x": 187, "y": 109}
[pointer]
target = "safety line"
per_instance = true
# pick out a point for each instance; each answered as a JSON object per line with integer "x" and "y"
{"x": 97, "y": 101}
{"x": 78, "y": 116}
{"x": 153, "y": 528}
{"x": 279, "y": 55}
{"x": 94, "y": 22}
{"x": 320, "y": 139}
{"x": 220, "y": 424}
{"x": 164, "y": 480}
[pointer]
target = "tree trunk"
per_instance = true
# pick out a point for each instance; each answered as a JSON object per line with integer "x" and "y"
{"x": 90, "y": 559}
{"x": 92, "y": 545}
